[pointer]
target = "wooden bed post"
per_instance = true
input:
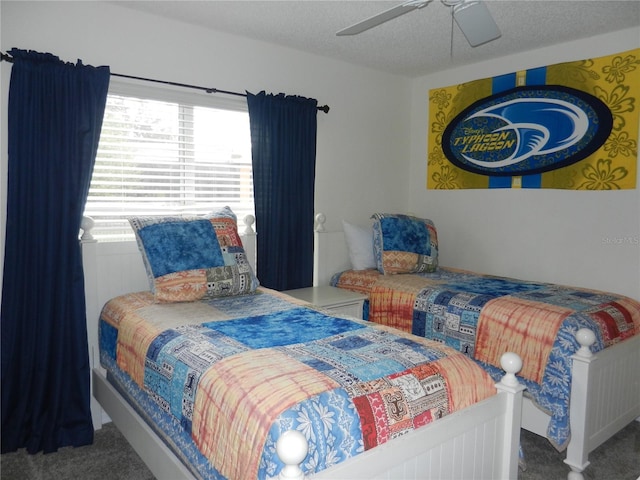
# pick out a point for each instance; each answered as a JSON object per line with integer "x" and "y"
{"x": 249, "y": 241}
{"x": 330, "y": 253}
{"x": 578, "y": 449}
{"x": 511, "y": 363}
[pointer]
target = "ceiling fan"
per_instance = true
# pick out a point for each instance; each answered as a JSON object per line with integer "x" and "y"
{"x": 472, "y": 16}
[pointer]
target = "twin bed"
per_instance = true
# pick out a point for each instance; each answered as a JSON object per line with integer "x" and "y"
{"x": 209, "y": 375}
{"x": 366, "y": 397}
{"x": 574, "y": 398}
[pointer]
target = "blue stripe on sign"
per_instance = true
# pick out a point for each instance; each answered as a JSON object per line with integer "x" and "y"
{"x": 535, "y": 76}
{"x": 500, "y": 84}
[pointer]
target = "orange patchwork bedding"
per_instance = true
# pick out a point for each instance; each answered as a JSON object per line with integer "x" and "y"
{"x": 483, "y": 316}
{"x": 223, "y": 378}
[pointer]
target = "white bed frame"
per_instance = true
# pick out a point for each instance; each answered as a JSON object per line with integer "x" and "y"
{"x": 605, "y": 393}
{"x": 478, "y": 442}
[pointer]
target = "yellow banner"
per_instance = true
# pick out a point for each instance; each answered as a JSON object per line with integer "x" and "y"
{"x": 613, "y": 80}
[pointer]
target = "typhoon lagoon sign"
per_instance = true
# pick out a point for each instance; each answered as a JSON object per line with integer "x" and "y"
{"x": 527, "y": 130}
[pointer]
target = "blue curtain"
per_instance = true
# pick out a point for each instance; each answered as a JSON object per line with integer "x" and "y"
{"x": 283, "y": 143}
{"x": 55, "y": 117}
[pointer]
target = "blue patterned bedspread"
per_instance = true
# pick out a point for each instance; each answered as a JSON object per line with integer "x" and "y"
{"x": 221, "y": 379}
{"x": 481, "y": 315}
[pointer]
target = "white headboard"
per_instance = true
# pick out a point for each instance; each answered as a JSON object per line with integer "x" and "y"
{"x": 330, "y": 254}
{"x": 115, "y": 268}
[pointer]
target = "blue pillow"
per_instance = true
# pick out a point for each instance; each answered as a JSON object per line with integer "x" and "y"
{"x": 404, "y": 244}
{"x": 188, "y": 258}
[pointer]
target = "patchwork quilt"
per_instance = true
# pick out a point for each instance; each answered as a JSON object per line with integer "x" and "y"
{"x": 220, "y": 379}
{"x": 483, "y": 316}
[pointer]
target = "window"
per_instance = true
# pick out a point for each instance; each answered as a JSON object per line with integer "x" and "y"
{"x": 157, "y": 157}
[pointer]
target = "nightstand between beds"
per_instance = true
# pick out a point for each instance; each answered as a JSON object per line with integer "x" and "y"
{"x": 332, "y": 299}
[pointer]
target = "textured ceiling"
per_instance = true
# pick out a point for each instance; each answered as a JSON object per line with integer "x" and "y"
{"x": 417, "y": 43}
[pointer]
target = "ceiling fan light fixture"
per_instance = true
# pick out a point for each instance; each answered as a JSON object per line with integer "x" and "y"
{"x": 472, "y": 16}
{"x": 475, "y": 22}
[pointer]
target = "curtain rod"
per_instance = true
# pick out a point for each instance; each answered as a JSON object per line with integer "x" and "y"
{"x": 325, "y": 108}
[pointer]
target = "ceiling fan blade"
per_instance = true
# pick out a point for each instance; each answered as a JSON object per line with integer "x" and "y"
{"x": 382, "y": 17}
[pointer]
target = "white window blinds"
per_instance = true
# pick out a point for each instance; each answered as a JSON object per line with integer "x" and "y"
{"x": 159, "y": 158}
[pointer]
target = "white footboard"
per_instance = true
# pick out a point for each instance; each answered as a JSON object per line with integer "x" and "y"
{"x": 605, "y": 397}
{"x": 478, "y": 442}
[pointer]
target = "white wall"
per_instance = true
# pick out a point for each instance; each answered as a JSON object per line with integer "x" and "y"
{"x": 377, "y": 122}
{"x": 588, "y": 239}
{"x": 363, "y": 143}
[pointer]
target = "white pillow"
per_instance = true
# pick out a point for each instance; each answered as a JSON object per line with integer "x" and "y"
{"x": 360, "y": 245}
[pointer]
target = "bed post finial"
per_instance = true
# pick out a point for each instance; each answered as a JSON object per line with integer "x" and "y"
{"x": 249, "y": 220}
{"x": 585, "y": 338}
{"x": 292, "y": 448}
{"x": 511, "y": 363}
{"x": 320, "y": 219}
{"x": 86, "y": 225}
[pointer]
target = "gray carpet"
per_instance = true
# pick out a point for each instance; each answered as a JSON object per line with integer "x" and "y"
{"x": 111, "y": 458}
